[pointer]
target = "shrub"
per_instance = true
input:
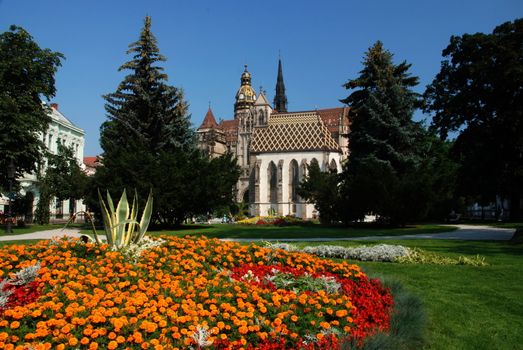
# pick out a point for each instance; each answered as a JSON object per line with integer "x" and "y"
{"x": 274, "y": 221}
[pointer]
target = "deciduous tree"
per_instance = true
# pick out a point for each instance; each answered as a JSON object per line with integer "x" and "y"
{"x": 26, "y": 75}
{"x": 62, "y": 178}
{"x": 321, "y": 188}
{"x": 478, "y": 94}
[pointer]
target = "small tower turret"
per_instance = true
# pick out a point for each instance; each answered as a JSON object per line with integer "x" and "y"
{"x": 246, "y": 96}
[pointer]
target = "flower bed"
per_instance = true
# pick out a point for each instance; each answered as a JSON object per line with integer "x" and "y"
{"x": 382, "y": 253}
{"x": 273, "y": 221}
{"x": 191, "y": 292}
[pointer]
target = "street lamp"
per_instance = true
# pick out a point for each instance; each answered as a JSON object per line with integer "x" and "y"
{"x": 10, "y": 177}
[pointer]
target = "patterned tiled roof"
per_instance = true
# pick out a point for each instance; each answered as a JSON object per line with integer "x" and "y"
{"x": 332, "y": 117}
{"x": 293, "y": 132}
{"x": 230, "y": 128}
{"x": 209, "y": 121}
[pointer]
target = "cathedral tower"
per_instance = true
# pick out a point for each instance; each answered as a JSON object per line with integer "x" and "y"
{"x": 280, "y": 100}
{"x": 246, "y": 96}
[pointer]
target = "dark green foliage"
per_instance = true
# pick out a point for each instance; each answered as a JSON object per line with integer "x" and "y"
{"x": 382, "y": 175}
{"x": 437, "y": 174}
{"x": 22, "y": 205}
{"x": 148, "y": 144}
{"x": 478, "y": 93}
{"x": 63, "y": 176}
{"x": 42, "y": 212}
{"x": 145, "y": 113}
{"x": 26, "y": 75}
{"x": 63, "y": 179}
{"x": 407, "y": 326}
{"x": 321, "y": 188}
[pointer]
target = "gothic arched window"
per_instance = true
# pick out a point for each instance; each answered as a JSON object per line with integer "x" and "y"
{"x": 294, "y": 180}
{"x": 272, "y": 173}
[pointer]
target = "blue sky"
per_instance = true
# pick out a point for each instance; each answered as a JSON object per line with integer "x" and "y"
{"x": 207, "y": 43}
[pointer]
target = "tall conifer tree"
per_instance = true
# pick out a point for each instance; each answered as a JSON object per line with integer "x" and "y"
{"x": 148, "y": 143}
{"x": 144, "y": 111}
{"x": 384, "y": 141}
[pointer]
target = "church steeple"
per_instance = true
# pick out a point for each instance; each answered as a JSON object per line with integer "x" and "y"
{"x": 280, "y": 100}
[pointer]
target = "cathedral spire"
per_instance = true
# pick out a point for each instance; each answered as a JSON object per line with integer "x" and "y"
{"x": 280, "y": 100}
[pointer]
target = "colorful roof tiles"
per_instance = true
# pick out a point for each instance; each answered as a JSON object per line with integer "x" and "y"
{"x": 293, "y": 132}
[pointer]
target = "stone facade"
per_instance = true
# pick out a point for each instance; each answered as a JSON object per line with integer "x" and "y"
{"x": 60, "y": 130}
{"x": 274, "y": 147}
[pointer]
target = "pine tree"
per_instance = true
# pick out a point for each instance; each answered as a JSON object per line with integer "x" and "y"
{"x": 144, "y": 110}
{"x": 384, "y": 141}
{"x": 148, "y": 142}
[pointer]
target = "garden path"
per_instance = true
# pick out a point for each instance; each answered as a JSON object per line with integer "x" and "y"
{"x": 464, "y": 232}
{"x": 47, "y": 234}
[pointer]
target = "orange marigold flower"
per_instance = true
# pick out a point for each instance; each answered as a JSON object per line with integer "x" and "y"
{"x": 341, "y": 313}
{"x": 120, "y": 339}
{"x": 73, "y": 341}
{"x": 325, "y": 325}
{"x": 112, "y": 345}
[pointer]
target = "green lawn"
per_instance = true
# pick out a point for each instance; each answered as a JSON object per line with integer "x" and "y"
{"x": 253, "y": 231}
{"x": 23, "y": 241}
{"x": 468, "y": 307}
{"x": 28, "y": 229}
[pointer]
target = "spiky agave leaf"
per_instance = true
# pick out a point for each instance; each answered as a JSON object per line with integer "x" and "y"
{"x": 146, "y": 216}
{"x": 107, "y": 218}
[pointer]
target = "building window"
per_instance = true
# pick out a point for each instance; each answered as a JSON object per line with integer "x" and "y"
{"x": 273, "y": 183}
{"x": 294, "y": 182}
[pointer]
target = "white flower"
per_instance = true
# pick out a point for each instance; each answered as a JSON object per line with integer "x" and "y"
{"x": 134, "y": 250}
{"x": 26, "y": 275}
{"x": 201, "y": 336}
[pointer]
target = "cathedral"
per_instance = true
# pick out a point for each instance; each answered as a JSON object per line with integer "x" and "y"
{"x": 273, "y": 147}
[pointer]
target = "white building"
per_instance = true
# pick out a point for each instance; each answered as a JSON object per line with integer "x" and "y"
{"x": 273, "y": 147}
{"x": 60, "y": 130}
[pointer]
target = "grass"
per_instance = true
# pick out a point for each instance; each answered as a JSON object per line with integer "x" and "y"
{"x": 20, "y": 242}
{"x": 468, "y": 307}
{"x": 29, "y": 229}
{"x": 253, "y": 231}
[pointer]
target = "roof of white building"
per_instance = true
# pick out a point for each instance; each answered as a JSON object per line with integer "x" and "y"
{"x": 58, "y": 117}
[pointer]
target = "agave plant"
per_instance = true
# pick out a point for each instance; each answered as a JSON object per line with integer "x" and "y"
{"x": 121, "y": 224}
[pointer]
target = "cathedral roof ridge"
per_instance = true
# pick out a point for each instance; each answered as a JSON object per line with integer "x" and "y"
{"x": 262, "y": 99}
